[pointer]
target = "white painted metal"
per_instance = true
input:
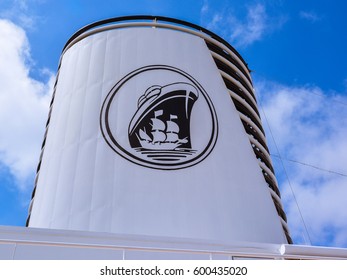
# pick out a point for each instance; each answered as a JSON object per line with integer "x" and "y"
{"x": 84, "y": 185}
{"x": 244, "y": 103}
{"x": 232, "y": 66}
{"x": 18, "y": 243}
{"x": 249, "y": 121}
{"x": 234, "y": 81}
{"x": 159, "y": 25}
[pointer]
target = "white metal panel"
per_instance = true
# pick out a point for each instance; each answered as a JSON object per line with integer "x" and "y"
{"x": 61, "y": 252}
{"x": 7, "y": 250}
{"x": 84, "y": 184}
{"x": 29, "y": 243}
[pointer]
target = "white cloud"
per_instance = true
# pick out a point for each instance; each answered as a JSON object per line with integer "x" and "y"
{"x": 24, "y": 104}
{"x": 310, "y": 16}
{"x": 344, "y": 83}
{"x": 205, "y": 7}
{"x": 20, "y": 12}
{"x": 254, "y": 27}
{"x": 241, "y": 31}
{"x": 310, "y": 127}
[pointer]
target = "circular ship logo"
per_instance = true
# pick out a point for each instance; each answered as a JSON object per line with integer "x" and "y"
{"x": 172, "y": 125}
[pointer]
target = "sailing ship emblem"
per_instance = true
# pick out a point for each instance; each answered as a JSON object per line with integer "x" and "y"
{"x": 163, "y": 137}
{"x": 167, "y": 125}
{"x": 160, "y": 128}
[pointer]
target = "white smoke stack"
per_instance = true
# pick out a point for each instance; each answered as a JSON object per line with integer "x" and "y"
{"x": 155, "y": 131}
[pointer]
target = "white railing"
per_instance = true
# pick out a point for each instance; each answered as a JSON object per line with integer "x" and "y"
{"x": 30, "y": 243}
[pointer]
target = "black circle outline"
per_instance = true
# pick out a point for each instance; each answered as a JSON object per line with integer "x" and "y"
{"x": 115, "y": 146}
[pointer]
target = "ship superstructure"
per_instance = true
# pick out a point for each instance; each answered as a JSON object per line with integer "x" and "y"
{"x": 156, "y": 132}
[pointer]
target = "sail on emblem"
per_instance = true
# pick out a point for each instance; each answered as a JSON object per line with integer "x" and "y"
{"x": 163, "y": 137}
{"x": 162, "y": 122}
{"x": 163, "y": 125}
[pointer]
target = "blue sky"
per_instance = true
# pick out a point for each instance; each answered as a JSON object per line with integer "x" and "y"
{"x": 296, "y": 50}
